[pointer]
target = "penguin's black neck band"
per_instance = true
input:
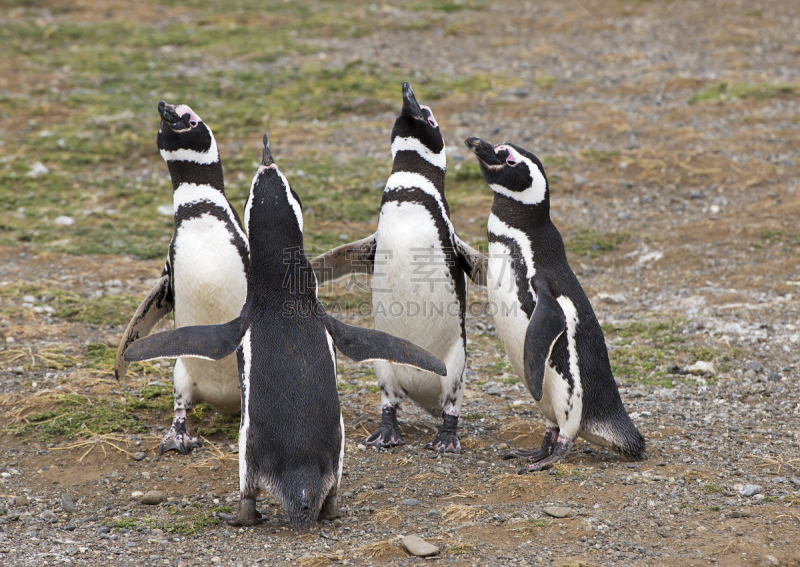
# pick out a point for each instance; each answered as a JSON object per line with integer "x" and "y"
{"x": 200, "y": 174}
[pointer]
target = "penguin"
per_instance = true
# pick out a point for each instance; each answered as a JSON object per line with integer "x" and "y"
{"x": 543, "y": 317}
{"x": 291, "y": 435}
{"x": 418, "y": 265}
{"x": 204, "y": 280}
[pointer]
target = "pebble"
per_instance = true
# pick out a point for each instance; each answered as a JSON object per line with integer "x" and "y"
{"x": 772, "y": 560}
{"x": 418, "y": 546}
{"x": 137, "y": 494}
{"x": 774, "y": 377}
{"x": 68, "y": 504}
{"x": 337, "y": 523}
{"x": 21, "y": 500}
{"x": 113, "y": 341}
{"x": 139, "y": 456}
{"x": 755, "y": 366}
{"x": 64, "y": 221}
{"x": 701, "y": 368}
{"x": 410, "y": 502}
{"x": 558, "y": 511}
{"x": 750, "y": 490}
{"x": 103, "y": 530}
{"x": 165, "y": 210}
{"x": 433, "y": 513}
{"x": 153, "y": 497}
{"x": 47, "y": 515}
{"x": 216, "y": 559}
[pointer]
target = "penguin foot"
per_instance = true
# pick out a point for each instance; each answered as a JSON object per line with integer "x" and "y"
{"x": 535, "y": 455}
{"x": 246, "y": 515}
{"x": 388, "y": 434}
{"x": 446, "y": 440}
{"x": 330, "y": 508}
{"x": 178, "y": 439}
{"x": 560, "y": 451}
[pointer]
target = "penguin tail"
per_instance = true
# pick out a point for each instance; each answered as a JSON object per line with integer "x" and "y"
{"x": 618, "y": 432}
{"x": 306, "y": 495}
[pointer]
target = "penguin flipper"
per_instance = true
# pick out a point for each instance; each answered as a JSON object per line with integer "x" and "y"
{"x": 155, "y": 307}
{"x": 546, "y": 325}
{"x": 366, "y": 344}
{"x": 473, "y": 263}
{"x": 355, "y": 258}
{"x": 211, "y": 342}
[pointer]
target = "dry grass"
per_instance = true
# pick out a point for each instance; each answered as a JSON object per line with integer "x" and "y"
{"x": 461, "y": 512}
{"x": 381, "y": 550}
{"x": 319, "y": 560}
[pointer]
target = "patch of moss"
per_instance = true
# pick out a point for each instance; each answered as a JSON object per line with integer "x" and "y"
{"x": 227, "y": 424}
{"x": 733, "y": 91}
{"x": 588, "y": 242}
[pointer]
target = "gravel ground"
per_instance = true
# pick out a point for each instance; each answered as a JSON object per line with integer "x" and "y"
{"x": 709, "y": 194}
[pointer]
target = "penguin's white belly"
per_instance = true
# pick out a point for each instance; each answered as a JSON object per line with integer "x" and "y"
{"x": 414, "y": 298}
{"x": 210, "y": 288}
{"x": 511, "y": 323}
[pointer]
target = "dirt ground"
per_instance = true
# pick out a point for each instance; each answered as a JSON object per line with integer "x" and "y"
{"x": 702, "y": 202}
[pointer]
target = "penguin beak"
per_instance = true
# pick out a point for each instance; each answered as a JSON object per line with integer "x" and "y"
{"x": 168, "y": 115}
{"x": 266, "y": 154}
{"x": 410, "y": 104}
{"x": 484, "y": 151}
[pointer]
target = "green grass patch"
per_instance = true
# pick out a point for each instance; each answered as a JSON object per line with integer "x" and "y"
{"x": 214, "y": 422}
{"x": 599, "y": 156}
{"x": 460, "y": 548}
{"x": 713, "y": 488}
{"x": 647, "y": 348}
{"x": 473, "y": 416}
{"x": 588, "y": 242}
{"x": 190, "y": 520}
{"x": 733, "y": 91}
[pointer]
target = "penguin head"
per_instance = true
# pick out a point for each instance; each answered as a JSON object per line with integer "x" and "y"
{"x": 182, "y": 129}
{"x": 272, "y": 201}
{"x": 416, "y": 121}
{"x": 511, "y": 171}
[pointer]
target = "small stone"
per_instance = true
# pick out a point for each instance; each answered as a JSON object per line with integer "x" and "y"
{"x": 772, "y": 560}
{"x": 579, "y": 180}
{"x": 10, "y": 340}
{"x": 432, "y": 513}
{"x": 47, "y": 515}
{"x": 701, "y": 368}
{"x": 153, "y": 497}
{"x": 37, "y": 170}
{"x": 166, "y": 210}
{"x": 502, "y": 446}
{"x": 379, "y": 485}
{"x": 418, "y": 546}
{"x": 337, "y": 523}
{"x": 361, "y": 447}
{"x": 755, "y": 366}
{"x": 64, "y": 221}
{"x": 779, "y": 480}
{"x": 136, "y": 494}
{"x": 20, "y": 500}
{"x": 750, "y": 374}
{"x": 558, "y": 511}
{"x": 113, "y": 341}
{"x": 139, "y": 456}
{"x": 68, "y": 504}
{"x": 519, "y": 93}
{"x": 675, "y": 511}
{"x": 103, "y": 530}
{"x": 216, "y": 559}
{"x": 750, "y": 490}
{"x": 795, "y": 481}
{"x": 774, "y": 377}
{"x": 70, "y": 527}
{"x": 410, "y": 502}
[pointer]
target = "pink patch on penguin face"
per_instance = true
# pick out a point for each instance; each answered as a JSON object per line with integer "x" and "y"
{"x": 431, "y": 119}
{"x": 182, "y": 109}
{"x": 510, "y": 160}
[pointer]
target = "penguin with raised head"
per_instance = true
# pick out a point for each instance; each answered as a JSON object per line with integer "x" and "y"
{"x": 418, "y": 287}
{"x": 204, "y": 280}
{"x": 291, "y": 436}
{"x": 543, "y": 317}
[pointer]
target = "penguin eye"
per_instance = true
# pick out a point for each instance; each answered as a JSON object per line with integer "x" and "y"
{"x": 432, "y": 121}
{"x": 511, "y": 161}
{"x": 193, "y": 123}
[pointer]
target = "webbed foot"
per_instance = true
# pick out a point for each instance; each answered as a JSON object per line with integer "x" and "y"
{"x": 388, "y": 434}
{"x": 246, "y": 515}
{"x": 446, "y": 440}
{"x": 178, "y": 439}
{"x": 560, "y": 451}
{"x": 535, "y": 455}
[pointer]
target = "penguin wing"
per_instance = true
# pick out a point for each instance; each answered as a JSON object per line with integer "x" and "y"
{"x": 155, "y": 307}
{"x": 366, "y": 344}
{"x": 355, "y": 258}
{"x": 472, "y": 262}
{"x": 546, "y": 325}
{"x": 212, "y": 342}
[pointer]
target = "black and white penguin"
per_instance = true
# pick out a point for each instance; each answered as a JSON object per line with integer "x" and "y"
{"x": 291, "y": 437}
{"x": 204, "y": 280}
{"x": 418, "y": 287}
{"x": 543, "y": 317}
